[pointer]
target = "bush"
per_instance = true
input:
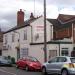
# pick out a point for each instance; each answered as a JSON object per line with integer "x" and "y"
{"x": 9, "y": 57}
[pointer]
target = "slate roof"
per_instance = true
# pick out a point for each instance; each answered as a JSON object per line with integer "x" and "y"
{"x": 26, "y": 23}
{"x": 62, "y": 21}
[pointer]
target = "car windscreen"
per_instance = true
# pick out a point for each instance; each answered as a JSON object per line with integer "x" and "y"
{"x": 72, "y": 60}
{"x": 34, "y": 59}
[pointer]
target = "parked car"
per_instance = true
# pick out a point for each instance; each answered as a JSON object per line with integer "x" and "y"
{"x": 63, "y": 65}
{"x": 4, "y": 61}
{"x": 28, "y": 63}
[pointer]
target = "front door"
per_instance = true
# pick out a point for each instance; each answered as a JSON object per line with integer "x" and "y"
{"x": 18, "y": 54}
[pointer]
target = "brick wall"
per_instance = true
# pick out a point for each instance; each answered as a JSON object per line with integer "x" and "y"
{"x": 63, "y": 33}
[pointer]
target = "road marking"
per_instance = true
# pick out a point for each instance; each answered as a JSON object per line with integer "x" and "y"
{"x": 7, "y": 72}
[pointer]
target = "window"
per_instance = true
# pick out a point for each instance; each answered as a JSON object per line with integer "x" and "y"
{"x": 25, "y": 34}
{"x": 62, "y": 59}
{"x": 13, "y": 35}
{"x": 24, "y": 52}
{"x": 64, "y": 52}
{"x": 5, "y": 39}
{"x": 53, "y": 60}
{"x": 72, "y": 60}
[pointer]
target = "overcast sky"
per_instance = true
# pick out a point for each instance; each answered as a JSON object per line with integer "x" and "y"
{"x": 9, "y": 8}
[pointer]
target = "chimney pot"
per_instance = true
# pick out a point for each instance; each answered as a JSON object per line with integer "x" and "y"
{"x": 31, "y": 16}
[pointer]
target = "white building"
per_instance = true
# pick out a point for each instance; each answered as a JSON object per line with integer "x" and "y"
{"x": 27, "y": 38}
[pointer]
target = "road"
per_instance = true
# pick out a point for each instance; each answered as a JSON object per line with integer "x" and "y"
{"x": 15, "y": 71}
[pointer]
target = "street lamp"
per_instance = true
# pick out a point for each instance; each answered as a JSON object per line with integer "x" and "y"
{"x": 45, "y": 43}
{"x": 18, "y": 47}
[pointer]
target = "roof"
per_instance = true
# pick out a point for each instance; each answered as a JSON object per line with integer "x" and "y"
{"x": 62, "y": 21}
{"x": 62, "y": 18}
{"x": 55, "y": 22}
{"x": 15, "y": 28}
{"x": 26, "y": 23}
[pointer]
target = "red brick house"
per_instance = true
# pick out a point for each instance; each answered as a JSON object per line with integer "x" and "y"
{"x": 63, "y": 27}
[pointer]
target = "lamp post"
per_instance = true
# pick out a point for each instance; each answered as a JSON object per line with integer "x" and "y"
{"x": 18, "y": 48}
{"x": 45, "y": 43}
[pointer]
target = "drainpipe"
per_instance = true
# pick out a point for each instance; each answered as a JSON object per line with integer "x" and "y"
{"x": 59, "y": 48}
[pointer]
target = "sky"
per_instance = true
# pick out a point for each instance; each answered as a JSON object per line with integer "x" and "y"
{"x": 9, "y": 8}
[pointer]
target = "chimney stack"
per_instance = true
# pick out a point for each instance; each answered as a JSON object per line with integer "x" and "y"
{"x": 20, "y": 18}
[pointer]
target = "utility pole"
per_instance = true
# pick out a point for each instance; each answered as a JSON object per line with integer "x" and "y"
{"x": 45, "y": 40}
{"x": 73, "y": 35}
{"x": 34, "y": 7}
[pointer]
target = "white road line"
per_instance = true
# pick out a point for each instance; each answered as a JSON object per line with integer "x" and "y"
{"x": 7, "y": 72}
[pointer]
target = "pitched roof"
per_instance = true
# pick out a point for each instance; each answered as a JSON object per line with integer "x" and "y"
{"x": 63, "y": 19}
{"x": 26, "y": 23}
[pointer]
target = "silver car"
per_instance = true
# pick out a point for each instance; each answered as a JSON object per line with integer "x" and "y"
{"x": 4, "y": 61}
{"x": 63, "y": 65}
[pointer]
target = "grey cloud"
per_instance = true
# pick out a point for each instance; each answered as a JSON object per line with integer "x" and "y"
{"x": 9, "y": 20}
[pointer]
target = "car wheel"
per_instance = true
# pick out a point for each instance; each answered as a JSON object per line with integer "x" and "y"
{"x": 26, "y": 68}
{"x": 44, "y": 71}
{"x": 64, "y": 72}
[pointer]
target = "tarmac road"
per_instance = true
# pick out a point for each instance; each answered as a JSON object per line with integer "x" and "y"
{"x": 15, "y": 71}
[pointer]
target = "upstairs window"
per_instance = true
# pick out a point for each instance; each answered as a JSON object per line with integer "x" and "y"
{"x": 64, "y": 52}
{"x": 5, "y": 39}
{"x": 13, "y": 37}
{"x": 25, "y": 34}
